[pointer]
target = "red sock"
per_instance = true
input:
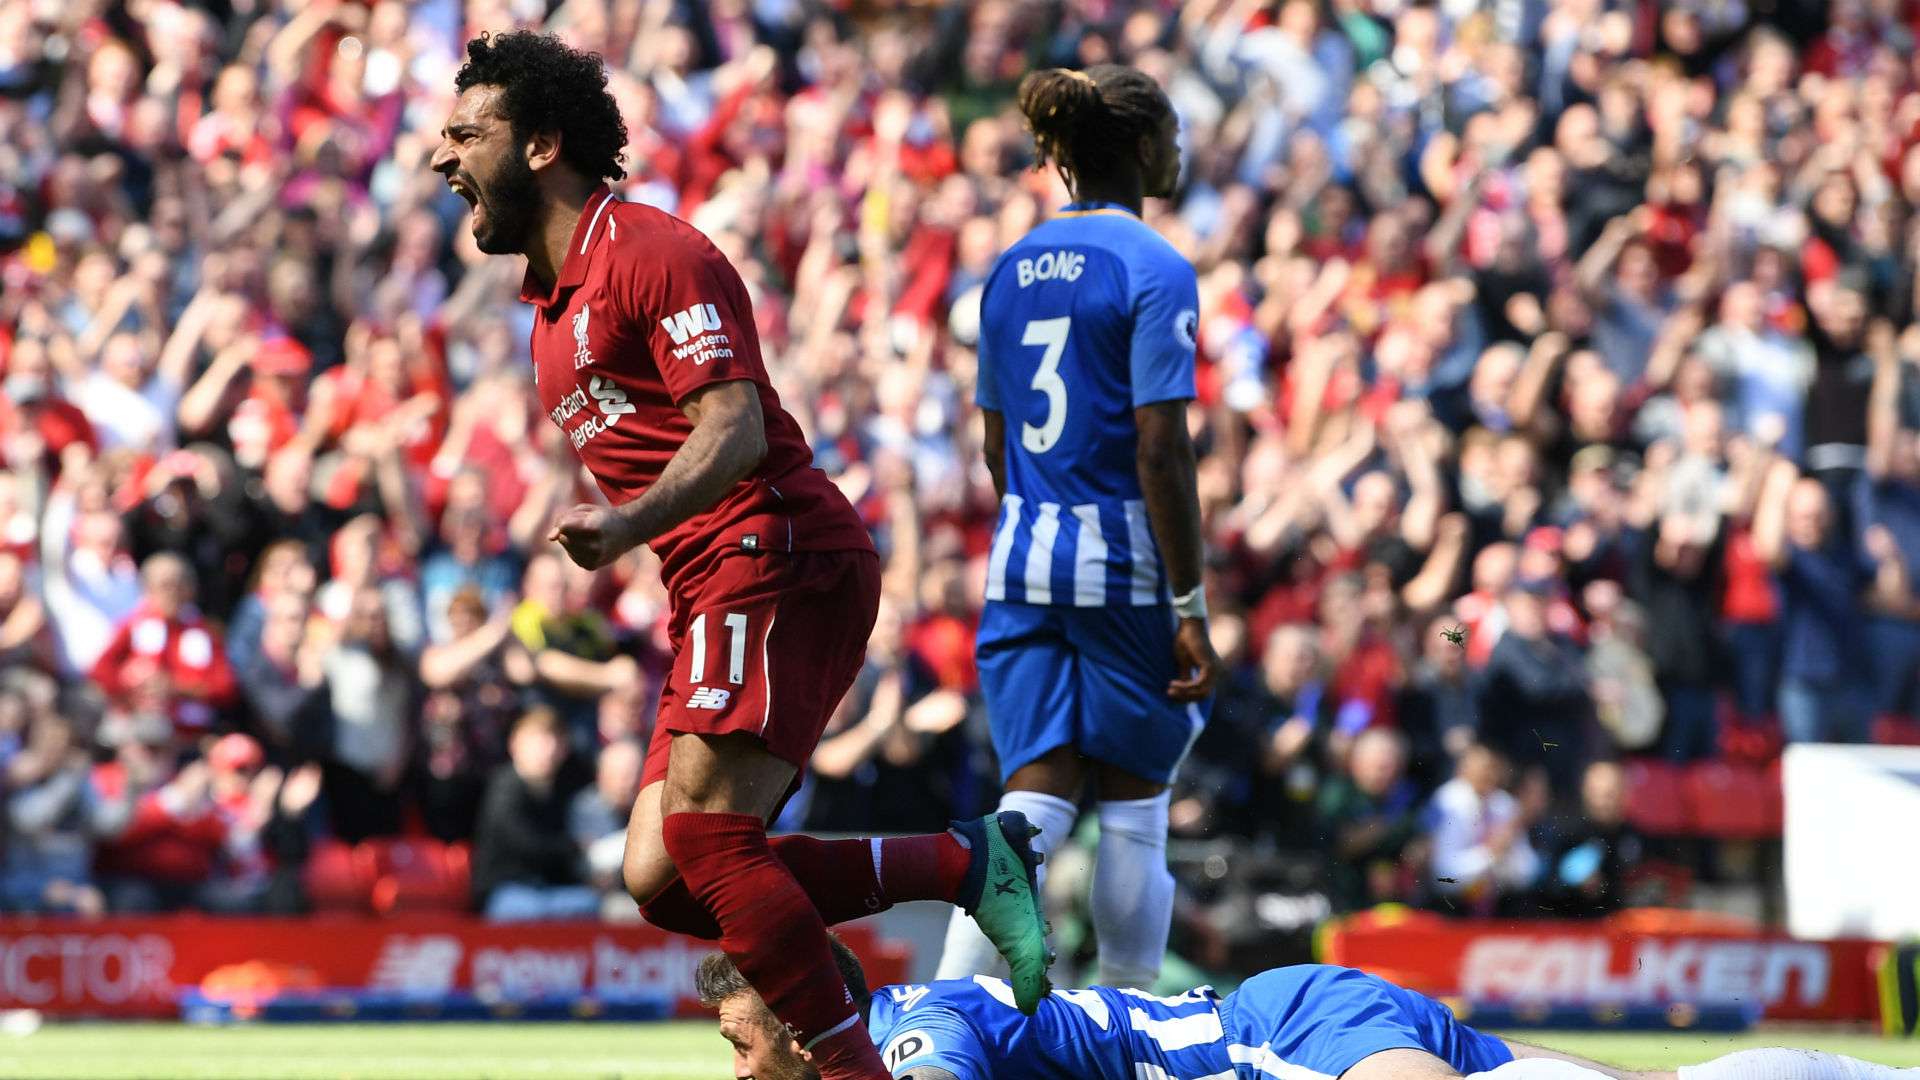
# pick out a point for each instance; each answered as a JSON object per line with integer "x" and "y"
{"x": 838, "y": 877}
{"x": 773, "y": 934}
{"x": 929, "y": 867}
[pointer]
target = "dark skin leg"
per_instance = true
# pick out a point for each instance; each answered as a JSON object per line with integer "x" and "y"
{"x": 1062, "y": 771}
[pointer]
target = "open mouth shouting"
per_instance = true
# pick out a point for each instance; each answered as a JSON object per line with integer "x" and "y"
{"x": 464, "y": 188}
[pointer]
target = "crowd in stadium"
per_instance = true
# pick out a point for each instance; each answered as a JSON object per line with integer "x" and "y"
{"x": 1557, "y": 402}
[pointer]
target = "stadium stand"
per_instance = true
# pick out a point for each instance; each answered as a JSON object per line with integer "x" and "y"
{"x": 1558, "y": 358}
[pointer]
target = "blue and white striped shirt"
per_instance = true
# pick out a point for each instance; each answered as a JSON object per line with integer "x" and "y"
{"x": 971, "y": 1029}
{"x": 1088, "y": 317}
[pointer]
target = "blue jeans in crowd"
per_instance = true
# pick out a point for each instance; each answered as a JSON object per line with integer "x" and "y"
{"x": 518, "y": 902}
{"x": 1826, "y": 713}
{"x": 1896, "y": 666}
{"x": 1692, "y": 728}
{"x": 1754, "y": 649}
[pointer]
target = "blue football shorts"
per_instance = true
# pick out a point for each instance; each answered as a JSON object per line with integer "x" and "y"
{"x": 1094, "y": 679}
{"x": 1315, "y": 1020}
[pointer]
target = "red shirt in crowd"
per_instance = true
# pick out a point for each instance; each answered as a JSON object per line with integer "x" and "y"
{"x": 644, "y": 312}
{"x": 186, "y": 648}
{"x": 1749, "y": 595}
{"x": 161, "y": 843}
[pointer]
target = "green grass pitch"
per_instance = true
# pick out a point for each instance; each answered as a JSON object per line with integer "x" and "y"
{"x": 681, "y": 1051}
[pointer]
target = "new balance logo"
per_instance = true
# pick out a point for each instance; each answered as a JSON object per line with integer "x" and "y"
{"x": 709, "y": 697}
{"x": 424, "y": 964}
{"x": 697, "y": 319}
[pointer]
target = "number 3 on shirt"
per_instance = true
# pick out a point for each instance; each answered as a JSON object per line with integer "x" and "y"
{"x": 1051, "y": 333}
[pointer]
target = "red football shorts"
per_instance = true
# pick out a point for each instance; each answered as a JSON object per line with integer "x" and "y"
{"x": 768, "y": 645}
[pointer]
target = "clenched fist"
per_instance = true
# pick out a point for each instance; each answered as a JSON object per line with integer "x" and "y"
{"x": 593, "y": 535}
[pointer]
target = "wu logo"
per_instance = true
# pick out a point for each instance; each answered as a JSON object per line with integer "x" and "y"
{"x": 691, "y": 323}
{"x": 711, "y": 698}
{"x": 581, "y": 355}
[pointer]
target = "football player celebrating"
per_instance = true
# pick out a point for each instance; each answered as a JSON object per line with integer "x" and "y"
{"x": 645, "y": 354}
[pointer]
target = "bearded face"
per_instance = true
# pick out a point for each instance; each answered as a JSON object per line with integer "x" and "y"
{"x": 486, "y": 165}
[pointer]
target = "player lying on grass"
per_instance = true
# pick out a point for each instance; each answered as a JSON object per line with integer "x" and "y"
{"x": 1309, "y": 1022}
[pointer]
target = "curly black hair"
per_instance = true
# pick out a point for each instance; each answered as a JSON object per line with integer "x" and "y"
{"x": 547, "y": 86}
{"x": 1088, "y": 122}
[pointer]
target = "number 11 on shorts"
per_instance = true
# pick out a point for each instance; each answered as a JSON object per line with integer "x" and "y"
{"x": 735, "y": 623}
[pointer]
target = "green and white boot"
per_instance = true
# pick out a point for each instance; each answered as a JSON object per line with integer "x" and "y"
{"x": 1002, "y": 893}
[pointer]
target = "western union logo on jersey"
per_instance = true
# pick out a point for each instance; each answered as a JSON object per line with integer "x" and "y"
{"x": 697, "y": 319}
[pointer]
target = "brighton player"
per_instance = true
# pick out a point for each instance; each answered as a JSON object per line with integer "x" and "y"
{"x": 645, "y": 354}
{"x": 1093, "y": 649}
{"x": 1310, "y": 1022}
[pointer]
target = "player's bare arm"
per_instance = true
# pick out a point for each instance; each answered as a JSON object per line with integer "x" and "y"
{"x": 728, "y": 442}
{"x": 993, "y": 447}
{"x": 1167, "y": 481}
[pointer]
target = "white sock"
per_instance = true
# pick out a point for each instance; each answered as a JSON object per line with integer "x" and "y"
{"x": 1132, "y": 891}
{"x": 1539, "y": 1069}
{"x": 967, "y": 951}
{"x": 1786, "y": 1063}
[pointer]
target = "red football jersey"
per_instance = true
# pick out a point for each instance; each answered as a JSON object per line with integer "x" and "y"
{"x": 646, "y": 311}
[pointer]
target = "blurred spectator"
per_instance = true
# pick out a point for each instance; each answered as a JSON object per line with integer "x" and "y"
{"x": 194, "y": 508}
{"x": 526, "y": 865}
{"x": 1825, "y": 681}
{"x": 24, "y": 638}
{"x": 365, "y": 558}
{"x": 161, "y": 834}
{"x": 1887, "y": 509}
{"x": 1259, "y": 760}
{"x": 1675, "y": 542}
{"x": 1597, "y": 851}
{"x": 571, "y": 643}
{"x": 52, "y": 820}
{"x": 1506, "y": 311}
{"x": 1369, "y": 815}
{"x": 264, "y": 841}
{"x": 894, "y": 749}
{"x": 1765, "y": 370}
{"x": 1534, "y": 704}
{"x": 1623, "y": 281}
{"x": 1626, "y": 698}
{"x": 597, "y": 820}
{"x": 1482, "y": 860}
{"x": 467, "y": 560}
{"x": 283, "y": 681}
{"x": 283, "y": 501}
{"x": 167, "y": 653}
{"x": 474, "y": 682}
{"x": 92, "y": 583}
{"x": 372, "y": 697}
{"x": 1437, "y": 709}
{"x": 281, "y": 570}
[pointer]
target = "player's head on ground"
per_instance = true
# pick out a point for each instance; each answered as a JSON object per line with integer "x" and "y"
{"x": 1109, "y": 129}
{"x": 533, "y": 121}
{"x": 763, "y": 1049}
